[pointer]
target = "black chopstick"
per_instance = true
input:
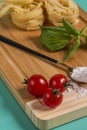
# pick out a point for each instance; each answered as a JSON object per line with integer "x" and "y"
{"x": 26, "y": 49}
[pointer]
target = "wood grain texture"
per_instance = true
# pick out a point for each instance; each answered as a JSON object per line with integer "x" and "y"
{"x": 15, "y": 65}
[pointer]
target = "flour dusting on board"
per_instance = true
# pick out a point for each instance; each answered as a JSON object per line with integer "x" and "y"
{"x": 78, "y": 88}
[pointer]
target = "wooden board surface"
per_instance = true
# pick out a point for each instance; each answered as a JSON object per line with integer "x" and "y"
{"x": 16, "y": 64}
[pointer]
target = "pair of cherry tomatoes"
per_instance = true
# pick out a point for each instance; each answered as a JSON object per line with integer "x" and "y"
{"x": 51, "y": 92}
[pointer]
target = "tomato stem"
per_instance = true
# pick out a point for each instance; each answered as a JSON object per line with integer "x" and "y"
{"x": 25, "y": 81}
{"x": 56, "y": 91}
{"x": 66, "y": 85}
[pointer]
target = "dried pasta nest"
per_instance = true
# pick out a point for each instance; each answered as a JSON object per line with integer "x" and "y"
{"x": 28, "y": 16}
{"x": 58, "y": 9}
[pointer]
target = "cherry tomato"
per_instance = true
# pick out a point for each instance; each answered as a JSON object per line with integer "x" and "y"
{"x": 51, "y": 98}
{"x": 37, "y": 85}
{"x": 58, "y": 81}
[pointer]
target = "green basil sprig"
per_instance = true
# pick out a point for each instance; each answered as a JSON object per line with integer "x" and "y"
{"x": 57, "y": 38}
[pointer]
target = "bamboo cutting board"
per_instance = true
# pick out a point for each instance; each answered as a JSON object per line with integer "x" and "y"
{"x": 16, "y": 64}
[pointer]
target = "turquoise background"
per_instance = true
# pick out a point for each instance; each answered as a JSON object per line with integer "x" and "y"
{"x": 12, "y": 117}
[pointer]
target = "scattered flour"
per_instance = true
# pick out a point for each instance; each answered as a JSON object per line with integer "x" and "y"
{"x": 79, "y": 88}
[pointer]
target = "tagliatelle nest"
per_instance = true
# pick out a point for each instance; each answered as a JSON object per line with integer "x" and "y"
{"x": 27, "y": 17}
{"x": 29, "y": 14}
{"x": 58, "y": 9}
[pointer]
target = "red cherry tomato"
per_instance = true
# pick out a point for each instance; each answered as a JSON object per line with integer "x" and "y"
{"x": 51, "y": 98}
{"x": 58, "y": 81}
{"x": 37, "y": 85}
